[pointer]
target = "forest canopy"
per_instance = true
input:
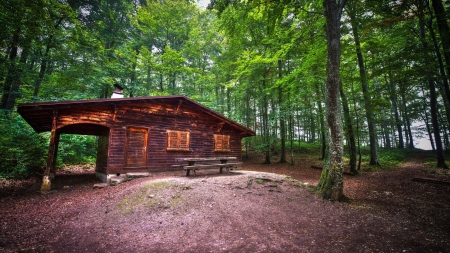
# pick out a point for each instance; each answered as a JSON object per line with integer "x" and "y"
{"x": 261, "y": 63}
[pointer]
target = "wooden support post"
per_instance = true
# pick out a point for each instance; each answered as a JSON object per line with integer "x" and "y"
{"x": 190, "y": 163}
{"x": 55, "y": 155}
{"x": 223, "y": 161}
{"x": 46, "y": 183}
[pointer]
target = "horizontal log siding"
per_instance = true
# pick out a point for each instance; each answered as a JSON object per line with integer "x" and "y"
{"x": 158, "y": 118}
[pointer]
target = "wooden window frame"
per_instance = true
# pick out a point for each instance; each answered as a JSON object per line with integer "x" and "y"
{"x": 178, "y": 140}
{"x": 222, "y": 143}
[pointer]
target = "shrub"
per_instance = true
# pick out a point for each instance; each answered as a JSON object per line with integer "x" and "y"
{"x": 23, "y": 151}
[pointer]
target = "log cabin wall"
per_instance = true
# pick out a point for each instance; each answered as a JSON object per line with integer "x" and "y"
{"x": 156, "y": 119}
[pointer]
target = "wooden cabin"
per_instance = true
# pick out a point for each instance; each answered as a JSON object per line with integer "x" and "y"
{"x": 142, "y": 134}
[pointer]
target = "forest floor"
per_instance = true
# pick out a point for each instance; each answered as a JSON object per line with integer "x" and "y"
{"x": 261, "y": 208}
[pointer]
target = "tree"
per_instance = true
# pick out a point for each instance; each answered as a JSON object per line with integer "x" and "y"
{"x": 351, "y": 10}
{"x": 331, "y": 183}
{"x": 433, "y": 100}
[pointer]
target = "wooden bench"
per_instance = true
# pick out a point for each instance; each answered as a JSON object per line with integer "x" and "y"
{"x": 227, "y": 166}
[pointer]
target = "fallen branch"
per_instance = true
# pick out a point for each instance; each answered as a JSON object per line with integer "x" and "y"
{"x": 428, "y": 180}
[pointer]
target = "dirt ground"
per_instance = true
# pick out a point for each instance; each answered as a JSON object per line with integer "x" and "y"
{"x": 261, "y": 208}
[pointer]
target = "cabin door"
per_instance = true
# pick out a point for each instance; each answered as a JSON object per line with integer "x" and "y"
{"x": 136, "y": 150}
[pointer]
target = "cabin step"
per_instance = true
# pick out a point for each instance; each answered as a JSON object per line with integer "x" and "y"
{"x": 115, "y": 180}
{"x": 138, "y": 175}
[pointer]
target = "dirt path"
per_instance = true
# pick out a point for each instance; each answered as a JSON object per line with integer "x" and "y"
{"x": 245, "y": 211}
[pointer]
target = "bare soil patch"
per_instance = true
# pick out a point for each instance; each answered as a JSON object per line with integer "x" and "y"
{"x": 262, "y": 208}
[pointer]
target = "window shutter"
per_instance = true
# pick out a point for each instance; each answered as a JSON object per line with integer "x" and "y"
{"x": 218, "y": 142}
{"x": 226, "y": 142}
{"x": 221, "y": 142}
{"x": 184, "y": 140}
{"x": 172, "y": 139}
{"x": 177, "y": 140}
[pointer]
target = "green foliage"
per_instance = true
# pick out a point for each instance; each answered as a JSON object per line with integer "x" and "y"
{"x": 390, "y": 159}
{"x": 77, "y": 149}
{"x": 23, "y": 151}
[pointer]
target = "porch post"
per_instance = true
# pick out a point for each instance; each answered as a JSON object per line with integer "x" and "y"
{"x": 46, "y": 183}
{"x": 55, "y": 155}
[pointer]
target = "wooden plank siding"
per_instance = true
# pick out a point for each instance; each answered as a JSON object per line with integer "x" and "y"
{"x": 102, "y": 152}
{"x": 129, "y": 127}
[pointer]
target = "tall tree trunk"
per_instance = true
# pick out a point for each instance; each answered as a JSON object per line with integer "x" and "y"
{"x": 38, "y": 82}
{"x": 430, "y": 134}
{"x": 16, "y": 80}
{"x": 393, "y": 98}
{"x": 365, "y": 88}
{"x": 433, "y": 102}
{"x": 282, "y": 116}
{"x": 45, "y": 60}
{"x": 349, "y": 130}
{"x": 331, "y": 183}
{"x": 323, "y": 139}
{"x": 357, "y": 129}
{"x": 444, "y": 87}
{"x": 265, "y": 125}
{"x": 12, "y": 68}
{"x": 406, "y": 117}
{"x": 444, "y": 31}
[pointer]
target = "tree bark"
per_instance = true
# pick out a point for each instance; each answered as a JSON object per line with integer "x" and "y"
{"x": 407, "y": 120}
{"x": 282, "y": 116}
{"x": 12, "y": 69}
{"x": 444, "y": 88}
{"x": 365, "y": 89}
{"x": 433, "y": 102}
{"x": 331, "y": 183}
{"x": 16, "y": 80}
{"x": 394, "y": 103}
{"x": 350, "y": 133}
{"x": 323, "y": 139}
{"x": 444, "y": 31}
{"x": 265, "y": 119}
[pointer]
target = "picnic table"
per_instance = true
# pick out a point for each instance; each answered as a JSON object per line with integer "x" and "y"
{"x": 206, "y": 163}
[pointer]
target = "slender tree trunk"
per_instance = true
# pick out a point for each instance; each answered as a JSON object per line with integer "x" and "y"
{"x": 12, "y": 69}
{"x": 331, "y": 183}
{"x": 282, "y": 116}
{"x": 444, "y": 31}
{"x": 133, "y": 72}
{"x": 433, "y": 102}
{"x": 16, "y": 80}
{"x": 45, "y": 61}
{"x": 291, "y": 131}
{"x": 430, "y": 134}
{"x": 349, "y": 130}
{"x": 355, "y": 109}
{"x": 323, "y": 139}
{"x": 406, "y": 117}
{"x": 265, "y": 119}
{"x": 365, "y": 89}
{"x": 393, "y": 98}
{"x": 37, "y": 84}
{"x": 444, "y": 87}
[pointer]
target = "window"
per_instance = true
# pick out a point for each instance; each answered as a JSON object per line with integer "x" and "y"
{"x": 221, "y": 142}
{"x": 177, "y": 140}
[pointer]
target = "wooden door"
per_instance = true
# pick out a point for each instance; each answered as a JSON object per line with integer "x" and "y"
{"x": 137, "y": 139}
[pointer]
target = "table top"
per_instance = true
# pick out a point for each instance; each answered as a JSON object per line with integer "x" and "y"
{"x": 198, "y": 159}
